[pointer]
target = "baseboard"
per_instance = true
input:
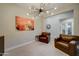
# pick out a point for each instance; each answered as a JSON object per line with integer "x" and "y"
{"x": 17, "y": 46}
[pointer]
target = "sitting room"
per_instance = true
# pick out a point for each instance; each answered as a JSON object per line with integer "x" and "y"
{"x": 39, "y": 29}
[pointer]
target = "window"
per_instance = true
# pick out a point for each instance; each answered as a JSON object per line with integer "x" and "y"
{"x": 67, "y": 26}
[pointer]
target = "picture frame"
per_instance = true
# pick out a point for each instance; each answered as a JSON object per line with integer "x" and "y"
{"x": 24, "y": 24}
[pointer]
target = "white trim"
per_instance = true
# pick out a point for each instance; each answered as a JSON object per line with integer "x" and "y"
{"x": 17, "y": 46}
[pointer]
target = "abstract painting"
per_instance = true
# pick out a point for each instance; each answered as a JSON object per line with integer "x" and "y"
{"x": 24, "y": 24}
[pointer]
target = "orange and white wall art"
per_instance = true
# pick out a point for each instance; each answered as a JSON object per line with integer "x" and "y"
{"x": 24, "y": 24}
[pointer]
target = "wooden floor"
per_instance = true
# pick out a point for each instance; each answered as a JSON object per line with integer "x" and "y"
{"x": 36, "y": 49}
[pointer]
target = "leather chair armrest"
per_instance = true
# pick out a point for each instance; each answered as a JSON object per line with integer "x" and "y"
{"x": 72, "y": 43}
{"x": 72, "y": 48}
{"x": 37, "y": 37}
{"x": 56, "y": 39}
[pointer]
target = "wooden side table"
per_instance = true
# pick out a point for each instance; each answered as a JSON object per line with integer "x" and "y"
{"x": 37, "y": 38}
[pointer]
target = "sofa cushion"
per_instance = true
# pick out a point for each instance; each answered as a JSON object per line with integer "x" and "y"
{"x": 67, "y": 38}
{"x": 63, "y": 44}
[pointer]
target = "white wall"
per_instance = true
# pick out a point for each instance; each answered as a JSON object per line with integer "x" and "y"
{"x": 14, "y": 37}
{"x": 55, "y": 22}
{"x": 55, "y": 26}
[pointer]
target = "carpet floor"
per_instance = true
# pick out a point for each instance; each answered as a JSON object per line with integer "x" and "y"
{"x": 36, "y": 49}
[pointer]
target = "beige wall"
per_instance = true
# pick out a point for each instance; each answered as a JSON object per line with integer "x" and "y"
{"x": 14, "y": 37}
{"x": 1, "y": 22}
{"x": 76, "y": 21}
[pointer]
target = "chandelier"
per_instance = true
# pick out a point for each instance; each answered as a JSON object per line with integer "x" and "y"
{"x": 43, "y": 10}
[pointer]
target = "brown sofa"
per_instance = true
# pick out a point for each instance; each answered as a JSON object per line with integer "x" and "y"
{"x": 67, "y": 44}
{"x": 44, "y": 37}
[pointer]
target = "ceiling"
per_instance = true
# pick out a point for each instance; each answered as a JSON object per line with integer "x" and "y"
{"x": 52, "y": 7}
{"x": 47, "y": 5}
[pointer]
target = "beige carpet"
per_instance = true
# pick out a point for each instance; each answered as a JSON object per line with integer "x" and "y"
{"x": 36, "y": 49}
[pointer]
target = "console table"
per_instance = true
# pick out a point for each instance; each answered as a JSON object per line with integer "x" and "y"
{"x": 1, "y": 45}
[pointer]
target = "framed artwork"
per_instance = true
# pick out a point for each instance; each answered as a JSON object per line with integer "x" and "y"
{"x": 24, "y": 24}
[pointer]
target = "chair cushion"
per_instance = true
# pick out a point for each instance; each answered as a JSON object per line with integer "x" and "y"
{"x": 44, "y": 33}
{"x": 43, "y": 37}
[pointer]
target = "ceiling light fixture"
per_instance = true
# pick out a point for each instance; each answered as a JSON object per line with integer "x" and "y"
{"x": 43, "y": 9}
{"x": 40, "y": 10}
{"x": 47, "y": 11}
{"x": 27, "y": 14}
{"x": 55, "y": 8}
{"x": 29, "y": 7}
{"x": 52, "y": 13}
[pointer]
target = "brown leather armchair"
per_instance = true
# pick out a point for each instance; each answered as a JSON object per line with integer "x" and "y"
{"x": 44, "y": 37}
{"x": 67, "y": 44}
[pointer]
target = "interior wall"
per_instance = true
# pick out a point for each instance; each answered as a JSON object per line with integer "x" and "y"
{"x": 1, "y": 22}
{"x": 14, "y": 37}
{"x": 75, "y": 9}
{"x": 76, "y": 21}
{"x": 55, "y": 22}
